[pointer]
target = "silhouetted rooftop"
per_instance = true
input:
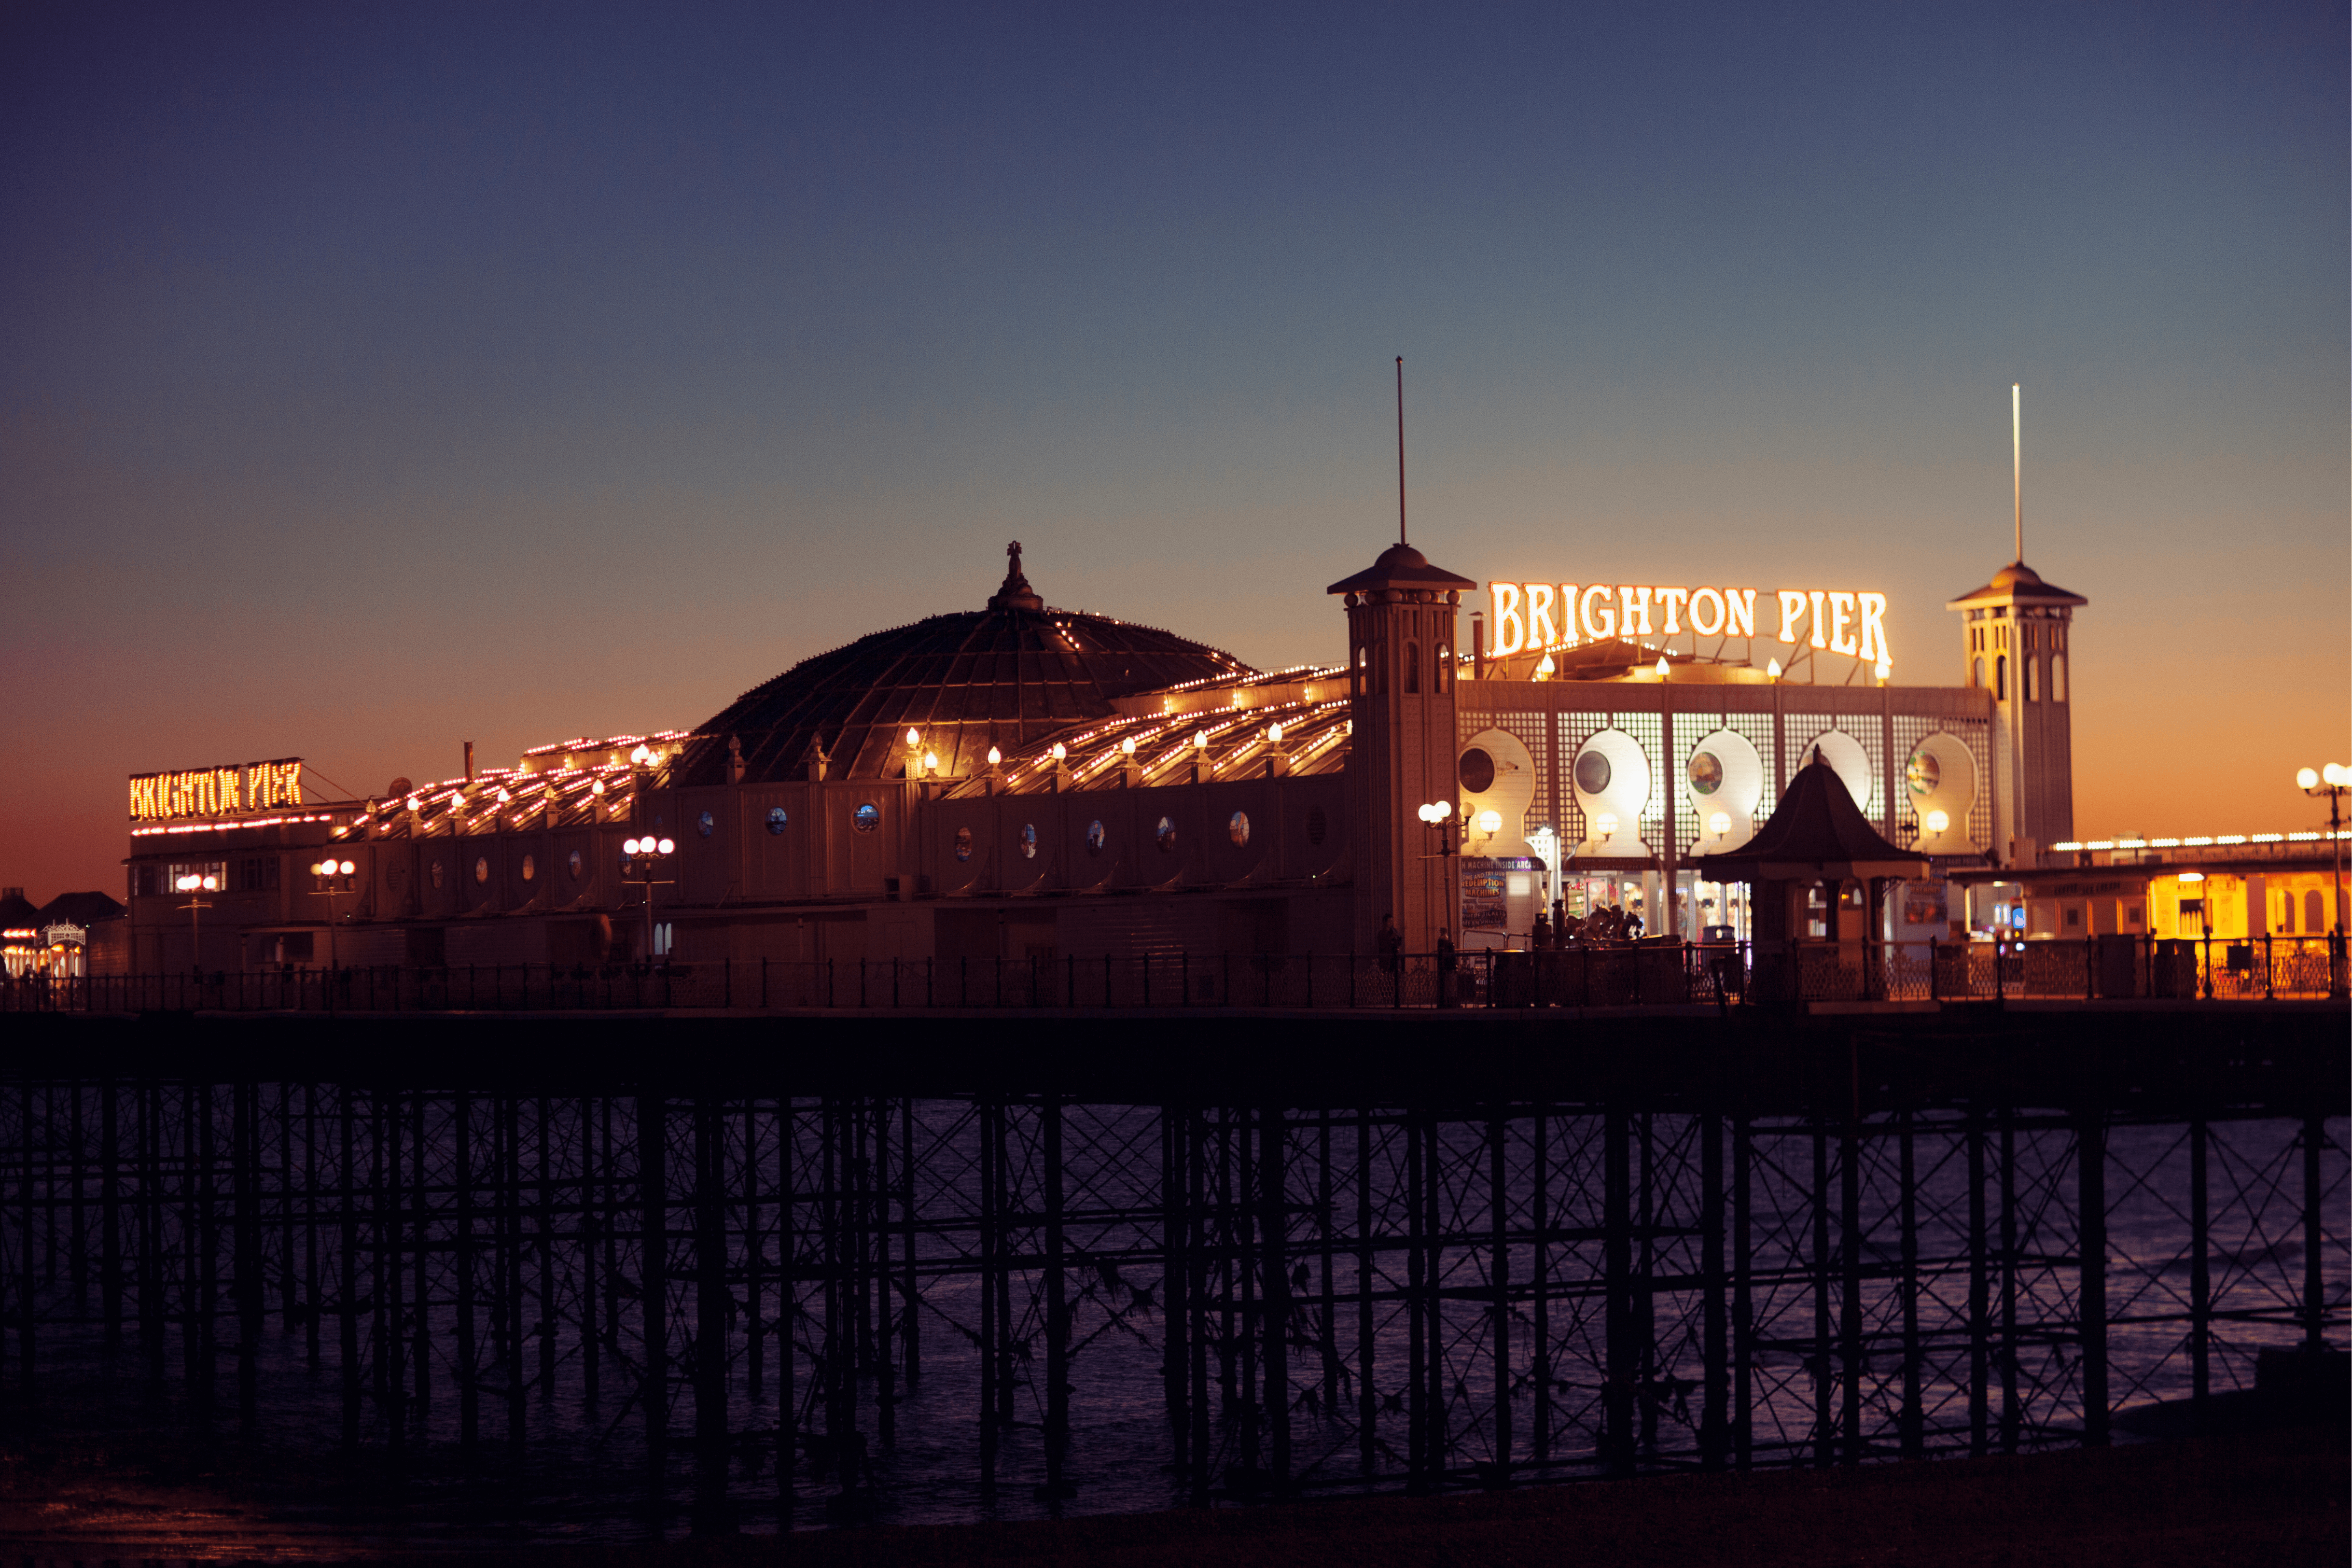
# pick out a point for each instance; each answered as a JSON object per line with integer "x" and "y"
{"x": 1008, "y": 675}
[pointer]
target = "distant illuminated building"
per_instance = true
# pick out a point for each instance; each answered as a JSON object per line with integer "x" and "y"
{"x": 54, "y": 939}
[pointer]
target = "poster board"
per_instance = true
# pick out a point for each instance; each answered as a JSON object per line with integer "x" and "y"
{"x": 1485, "y": 883}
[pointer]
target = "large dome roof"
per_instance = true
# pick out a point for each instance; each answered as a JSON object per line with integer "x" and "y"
{"x": 1007, "y": 676}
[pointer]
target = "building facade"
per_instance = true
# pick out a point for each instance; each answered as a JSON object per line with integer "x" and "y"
{"x": 1021, "y": 781}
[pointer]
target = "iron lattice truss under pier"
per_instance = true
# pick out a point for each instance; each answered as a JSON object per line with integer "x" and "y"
{"x": 1143, "y": 1305}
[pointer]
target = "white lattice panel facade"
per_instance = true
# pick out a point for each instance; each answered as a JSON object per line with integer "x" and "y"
{"x": 1554, "y": 719}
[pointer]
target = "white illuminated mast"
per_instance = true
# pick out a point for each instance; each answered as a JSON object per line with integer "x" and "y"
{"x": 1400, "y": 374}
{"x": 2017, "y": 456}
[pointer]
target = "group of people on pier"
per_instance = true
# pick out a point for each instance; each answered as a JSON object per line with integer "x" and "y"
{"x": 1608, "y": 922}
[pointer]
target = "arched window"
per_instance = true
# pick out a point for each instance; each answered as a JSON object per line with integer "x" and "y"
{"x": 2001, "y": 679}
{"x": 1412, "y": 669}
{"x": 1380, "y": 672}
{"x": 2057, "y": 678}
{"x": 1444, "y": 670}
{"x": 1976, "y": 675}
{"x": 2033, "y": 678}
{"x": 2314, "y": 912}
{"x": 1363, "y": 661}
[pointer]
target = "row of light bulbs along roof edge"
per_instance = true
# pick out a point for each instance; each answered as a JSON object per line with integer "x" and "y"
{"x": 2334, "y": 776}
{"x": 2320, "y": 836}
{"x": 452, "y": 793}
{"x": 1605, "y": 823}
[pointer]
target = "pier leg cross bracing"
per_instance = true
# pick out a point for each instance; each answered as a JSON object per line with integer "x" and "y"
{"x": 1062, "y": 1300}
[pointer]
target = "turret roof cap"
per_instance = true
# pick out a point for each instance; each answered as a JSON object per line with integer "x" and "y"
{"x": 2016, "y": 584}
{"x": 1400, "y": 565}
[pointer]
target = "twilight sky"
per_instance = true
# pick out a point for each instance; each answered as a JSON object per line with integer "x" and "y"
{"x": 375, "y": 378}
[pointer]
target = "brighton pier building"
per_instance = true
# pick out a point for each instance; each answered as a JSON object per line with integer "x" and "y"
{"x": 1021, "y": 781}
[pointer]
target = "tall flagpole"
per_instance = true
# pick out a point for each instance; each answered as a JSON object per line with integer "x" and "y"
{"x": 2017, "y": 450}
{"x": 1401, "y": 538}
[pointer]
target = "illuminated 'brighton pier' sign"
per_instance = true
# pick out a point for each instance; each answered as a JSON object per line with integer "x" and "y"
{"x": 1535, "y": 615}
{"x": 216, "y": 791}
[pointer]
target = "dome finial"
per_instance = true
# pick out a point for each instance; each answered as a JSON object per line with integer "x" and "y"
{"x": 1016, "y": 593}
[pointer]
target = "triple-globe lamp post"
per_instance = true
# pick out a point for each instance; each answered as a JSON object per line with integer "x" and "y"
{"x": 330, "y": 872}
{"x": 642, "y": 858}
{"x": 1433, "y": 816}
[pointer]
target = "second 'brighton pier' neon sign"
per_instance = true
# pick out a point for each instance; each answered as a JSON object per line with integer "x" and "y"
{"x": 216, "y": 791}
{"x": 1532, "y": 615}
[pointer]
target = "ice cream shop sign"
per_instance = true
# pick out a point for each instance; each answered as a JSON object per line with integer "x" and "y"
{"x": 1532, "y": 615}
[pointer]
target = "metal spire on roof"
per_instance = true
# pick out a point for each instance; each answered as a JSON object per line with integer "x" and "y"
{"x": 1400, "y": 376}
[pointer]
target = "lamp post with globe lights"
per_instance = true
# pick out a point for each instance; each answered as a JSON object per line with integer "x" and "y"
{"x": 2332, "y": 782}
{"x": 642, "y": 865}
{"x": 1435, "y": 816}
{"x": 195, "y": 887}
{"x": 330, "y": 872}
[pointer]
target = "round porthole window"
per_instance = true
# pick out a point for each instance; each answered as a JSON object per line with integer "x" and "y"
{"x": 1594, "y": 772}
{"x": 867, "y": 818}
{"x": 1706, "y": 773}
{"x": 482, "y": 868}
{"x": 777, "y": 820}
{"x": 436, "y": 874}
{"x": 1028, "y": 840}
{"x": 1317, "y": 824}
{"x": 575, "y": 865}
{"x": 963, "y": 844}
{"x": 1923, "y": 773}
{"x": 1096, "y": 837}
{"x": 1165, "y": 835}
{"x": 1477, "y": 770}
{"x": 704, "y": 823}
{"x": 1238, "y": 826}
{"x": 529, "y": 868}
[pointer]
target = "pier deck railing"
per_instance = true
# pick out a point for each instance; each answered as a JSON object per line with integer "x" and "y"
{"x": 1661, "y": 972}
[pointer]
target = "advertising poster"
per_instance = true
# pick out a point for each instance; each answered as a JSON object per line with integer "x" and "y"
{"x": 1486, "y": 882}
{"x": 1923, "y": 903}
{"x": 1481, "y": 895}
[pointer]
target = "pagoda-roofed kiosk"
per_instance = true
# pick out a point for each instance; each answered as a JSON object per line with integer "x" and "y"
{"x": 1817, "y": 873}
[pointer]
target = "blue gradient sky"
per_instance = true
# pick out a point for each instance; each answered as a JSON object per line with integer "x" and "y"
{"x": 373, "y": 379}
